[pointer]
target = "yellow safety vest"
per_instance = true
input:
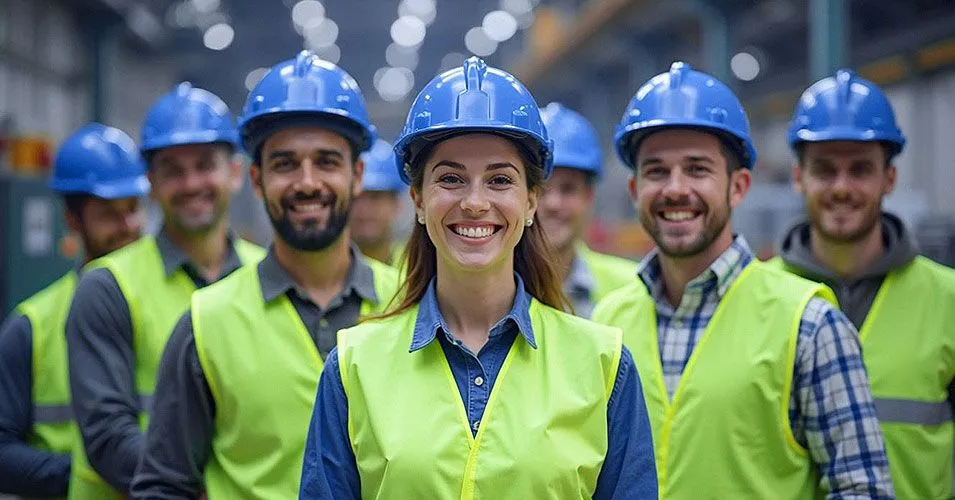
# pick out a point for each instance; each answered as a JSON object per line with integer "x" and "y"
{"x": 908, "y": 345}
{"x": 543, "y": 433}
{"x": 726, "y": 433}
{"x": 262, "y": 368}
{"x": 54, "y": 427}
{"x": 156, "y": 302}
{"x": 609, "y": 272}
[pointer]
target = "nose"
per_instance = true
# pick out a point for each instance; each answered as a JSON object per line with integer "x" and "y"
{"x": 192, "y": 180}
{"x": 309, "y": 180}
{"x": 676, "y": 186}
{"x": 475, "y": 200}
{"x": 551, "y": 199}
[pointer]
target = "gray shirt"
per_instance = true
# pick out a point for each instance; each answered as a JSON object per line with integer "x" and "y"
{"x": 182, "y": 424}
{"x": 99, "y": 335}
{"x": 579, "y": 286}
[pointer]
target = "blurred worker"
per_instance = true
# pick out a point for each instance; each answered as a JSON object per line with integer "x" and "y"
{"x": 375, "y": 210}
{"x": 845, "y": 137}
{"x": 477, "y": 384}
{"x": 565, "y": 208}
{"x": 238, "y": 380}
{"x": 127, "y": 303}
{"x": 753, "y": 379}
{"x": 100, "y": 175}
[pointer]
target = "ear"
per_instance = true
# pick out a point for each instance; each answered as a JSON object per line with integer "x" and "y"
{"x": 533, "y": 198}
{"x": 151, "y": 175}
{"x": 357, "y": 183}
{"x": 632, "y": 187}
{"x": 235, "y": 173}
{"x": 740, "y": 182}
{"x": 890, "y": 176}
{"x": 73, "y": 222}
{"x": 797, "y": 178}
{"x": 255, "y": 177}
{"x": 417, "y": 202}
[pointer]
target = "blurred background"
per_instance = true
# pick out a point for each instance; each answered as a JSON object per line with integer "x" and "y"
{"x": 65, "y": 62}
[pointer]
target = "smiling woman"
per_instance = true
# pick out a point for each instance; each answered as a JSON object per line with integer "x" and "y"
{"x": 477, "y": 375}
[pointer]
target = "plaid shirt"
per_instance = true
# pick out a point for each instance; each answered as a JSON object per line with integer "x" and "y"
{"x": 831, "y": 411}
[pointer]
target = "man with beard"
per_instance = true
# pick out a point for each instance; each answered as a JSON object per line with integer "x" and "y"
{"x": 565, "y": 208}
{"x": 378, "y": 206}
{"x": 100, "y": 175}
{"x": 127, "y": 303}
{"x": 845, "y": 136}
{"x": 753, "y": 379}
{"x": 238, "y": 380}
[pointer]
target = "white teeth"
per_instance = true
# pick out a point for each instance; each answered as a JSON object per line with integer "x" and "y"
{"x": 307, "y": 208}
{"x": 678, "y": 216}
{"x": 474, "y": 232}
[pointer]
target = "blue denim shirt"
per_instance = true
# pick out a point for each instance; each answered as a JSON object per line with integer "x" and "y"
{"x": 629, "y": 470}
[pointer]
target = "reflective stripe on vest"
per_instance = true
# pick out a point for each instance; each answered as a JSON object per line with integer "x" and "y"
{"x": 53, "y": 429}
{"x": 247, "y": 349}
{"x": 543, "y": 433}
{"x": 156, "y": 302}
{"x": 908, "y": 345}
{"x": 727, "y": 429}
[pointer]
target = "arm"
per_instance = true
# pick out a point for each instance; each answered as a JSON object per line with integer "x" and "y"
{"x": 24, "y": 470}
{"x": 835, "y": 415}
{"x": 330, "y": 470}
{"x": 629, "y": 470}
{"x": 181, "y": 425}
{"x": 99, "y": 336}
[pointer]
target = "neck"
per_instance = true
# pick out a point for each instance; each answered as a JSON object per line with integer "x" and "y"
{"x": 380, "y": 251}
{"x": 207, "y": 251}
{"x": 678, "y": 271}
{"x": 472, "y": 302}
{"x": 848, "y": 259}
{"x": 321, "y": 274}
{"x": 564, "y": 258}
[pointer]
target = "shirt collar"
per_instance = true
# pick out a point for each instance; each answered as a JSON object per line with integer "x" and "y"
{"x": 174, "y": 258}
{"x": 275, "y": 280}
{"x": 724, "y": 270}
{"x": 580, "y": 277}
{"x": 430, "y": 319}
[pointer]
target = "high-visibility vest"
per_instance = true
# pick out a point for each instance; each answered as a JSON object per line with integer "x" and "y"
{"x": 908, "y": 345}
{"x": 156, "y": 302}
{"x": 54, "y": 427}
{"x": 609, "y": 272}
{"x": 543, "y": 433}
{"x": 727, "y": 431}
{"x": 262, "y": 367}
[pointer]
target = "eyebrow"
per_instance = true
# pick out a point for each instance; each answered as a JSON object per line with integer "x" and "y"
{"x": 458, "y": 166}
{"x": 284, "y": 153}
{"x": 692, "y": 158}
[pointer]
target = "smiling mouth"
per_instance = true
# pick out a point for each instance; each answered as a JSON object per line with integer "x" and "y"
{"x": 475, "y": 232}
{"x": 678, "y": 215}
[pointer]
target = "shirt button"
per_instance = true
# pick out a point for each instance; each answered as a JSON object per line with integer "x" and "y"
{"x": 476, "y": 424}
{"x": 479, "y": 381}
{"x": 323, "y": 323}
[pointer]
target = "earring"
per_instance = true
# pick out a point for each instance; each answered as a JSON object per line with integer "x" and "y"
{"x": 420, "y": 219}
{"x": 529, "y": 222}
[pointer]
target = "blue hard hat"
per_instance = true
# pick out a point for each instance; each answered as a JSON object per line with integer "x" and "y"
{"x": 306, "y": 89}
{"x": 576, "y": 144}
{"x": 188, "y": 115}
{"x": 845, "y": 107}
{"x": 101, "y": 161}
{"x": 685, "y": 98}
{"x": 474, "y": 98}
{"x": 381, "y": 171}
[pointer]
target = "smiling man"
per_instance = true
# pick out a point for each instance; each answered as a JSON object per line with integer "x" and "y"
{"x": 128, "y": 301}
{"x": 238, "y": 380}
{"x": 565, "y": 209}
{"x": 753, "y": 379}
{"x": 845, "y": 139}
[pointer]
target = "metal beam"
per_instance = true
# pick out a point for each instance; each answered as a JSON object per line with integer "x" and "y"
{"x": 827, "y": 37}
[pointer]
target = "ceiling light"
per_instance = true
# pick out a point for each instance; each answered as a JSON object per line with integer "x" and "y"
{"x": 306, "y": 11}
{"x": 426, "y": 10}
{"x": 478, "y": 42}
{"x": 254, "y": 77}
{"x": 218, "y": 36}
{"x": 321, "y": 33}
{"x": 393, "y": 84}
{"x": 408, "y": 31}
{"x": 516, "y": 7}
{"x": 745, "y": 66}
{"x": 401, "y": 57}
{"x": 499, "y": 25}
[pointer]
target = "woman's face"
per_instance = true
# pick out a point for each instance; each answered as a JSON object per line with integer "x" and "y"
{"x": 475, "y": 200}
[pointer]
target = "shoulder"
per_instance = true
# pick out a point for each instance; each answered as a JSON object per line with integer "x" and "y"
{"x": 626, "y": 296}
{"x": 228, "y": 292}
{"x": 249, "y": 252}
{"x": 608, "y": 262}
{"x": 129, "y": 254}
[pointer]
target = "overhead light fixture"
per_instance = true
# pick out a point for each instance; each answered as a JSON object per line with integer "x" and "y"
{"x": 499, "y": 25}
{"x": 408, "y": 31}
{"x": 426, "y": 10}
{"x": 306, "y": 11}
{"x": 516, "y": 7}
{"x": 745, "y": 66}
{"x": 331, "y": 53}
{"x": 452, "y": 60}
{"x": 254, "y": 77}
{"x": 401, "y": 57}
{"x": 478, "y": 43}
{"x": 218, "y": 36}
{"x": 321, "y": 33}
{"x": 393, "y": 84}
{"x": 206, "y": 6}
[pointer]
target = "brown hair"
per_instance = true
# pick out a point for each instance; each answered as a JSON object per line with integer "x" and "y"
{"x": 533, "y": 258}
